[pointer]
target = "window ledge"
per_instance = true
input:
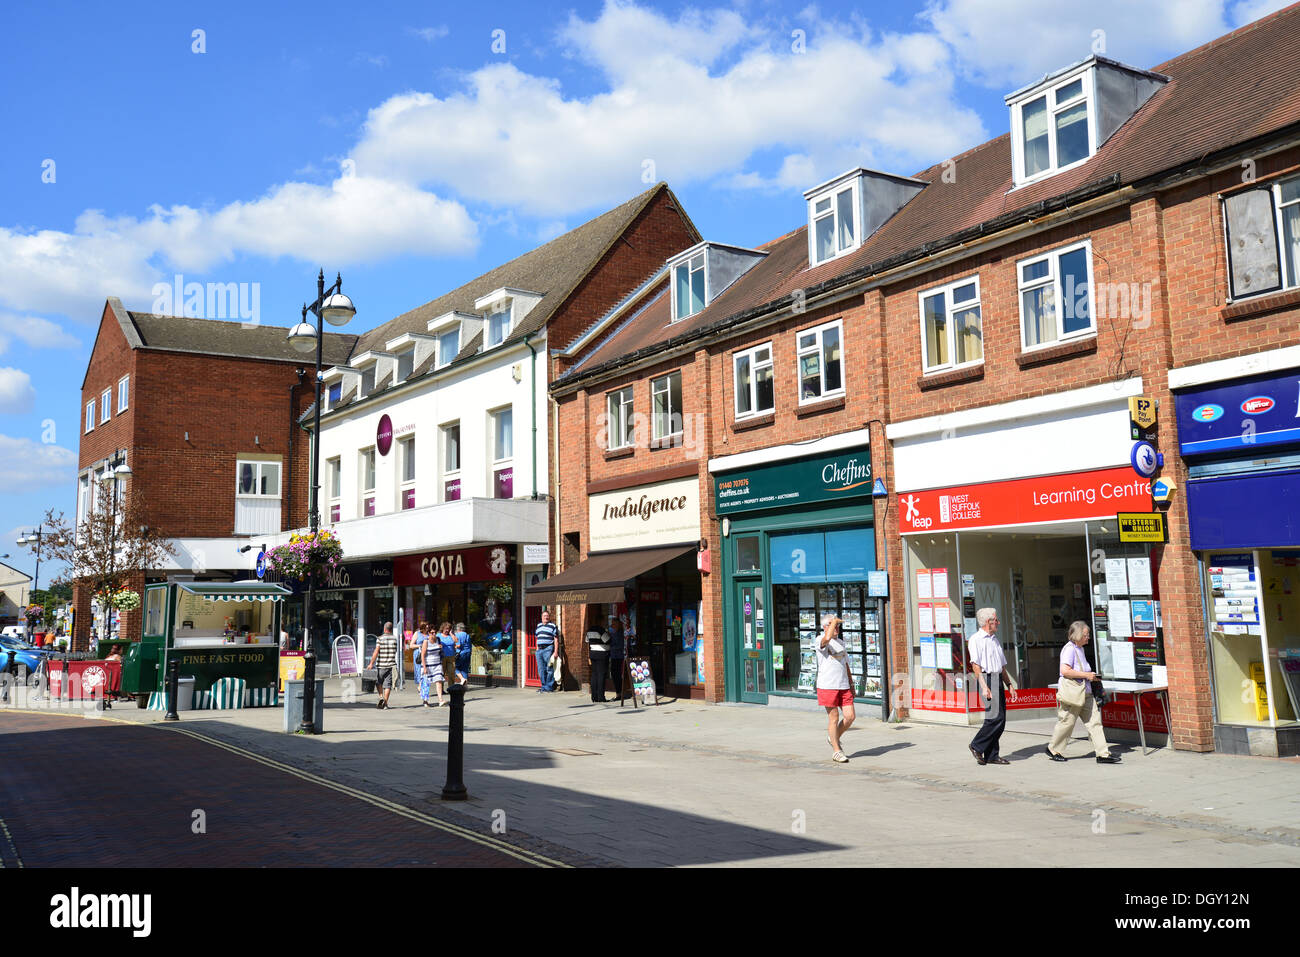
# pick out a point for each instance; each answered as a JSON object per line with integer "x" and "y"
{"x": 1066, "y": 350}
{"x": 938, "y": 380}
{"x": 626, "y": 452}
{"x": 821, "y": 405}
{"x": 1260, "y": 305}
{"x": 667, "y": 442}
{"x": 754, "y": 422}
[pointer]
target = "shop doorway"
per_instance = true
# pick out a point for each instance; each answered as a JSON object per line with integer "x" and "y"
{"x": 756, "y": 655}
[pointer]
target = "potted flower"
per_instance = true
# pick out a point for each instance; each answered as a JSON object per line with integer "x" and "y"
{"x": 306, "y": 554}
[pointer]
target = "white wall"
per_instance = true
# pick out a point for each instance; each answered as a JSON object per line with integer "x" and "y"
{"x": 468, "y": 396}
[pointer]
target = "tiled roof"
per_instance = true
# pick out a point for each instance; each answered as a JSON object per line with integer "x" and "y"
{"x": 553, "y": 269}
{"x": 1231, "y": 91}
{"x": 240, "y": 340}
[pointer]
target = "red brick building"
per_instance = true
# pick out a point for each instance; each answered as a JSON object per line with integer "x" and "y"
{"x": 977, "y": 331}
{"x": 204, "y": 413}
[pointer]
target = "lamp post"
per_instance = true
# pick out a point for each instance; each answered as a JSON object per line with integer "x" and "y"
{"x": 336, "y": 309}
{"x": 36, "y": 540}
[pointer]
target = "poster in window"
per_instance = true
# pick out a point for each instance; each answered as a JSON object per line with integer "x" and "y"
{"x": 927, "y": 651}
{"x": 938, "y": 583}
{"x": 942, "y": 617}
{"x": 871, "y": 643}
{"x": 1143, "y": 618}
{"x": 1116, "y": 578}
{"x": 925, "y": 618}
{"x": 1139, "y": 576}
{"x": 942, "y": 653}
{"x": 1121, "y": 624}
{"x": 853, "y": 641}
{"x": 873, "y": 664}
{"x": 923, "y": 584}
{"x": 1121, "y": 655}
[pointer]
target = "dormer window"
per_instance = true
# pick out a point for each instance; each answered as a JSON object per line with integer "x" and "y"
{"x": 1056, "y": 129}
{"x": 367, "y": 382}
{"x": 844, "y": 211}
{"x": 1062, "y": 120}
{"x": 405, "y": 365}
{"x": 498, "y": 326}
{"x": 698, "y": 275}
{"x": 448, "y": 346}
{"x": 688, "y": 287}
{"x": 834, "y": 223}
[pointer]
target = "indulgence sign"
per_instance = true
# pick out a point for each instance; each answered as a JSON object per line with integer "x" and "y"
{"x": 666, "y": 513}
{"x": 825, "y": 478}
{"x": 1048, "y": 498}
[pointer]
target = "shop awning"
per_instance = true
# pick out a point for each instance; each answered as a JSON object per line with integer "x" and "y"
{"x": 601, "y": 578}
{"x": 236, "y": 591}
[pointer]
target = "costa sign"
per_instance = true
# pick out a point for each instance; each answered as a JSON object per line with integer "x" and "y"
{"x": 490, "y": 563}
{"x": 1051, "y": 498}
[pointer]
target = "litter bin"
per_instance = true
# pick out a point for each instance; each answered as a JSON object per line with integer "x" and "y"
{"x": 185, "y": 694}
{"x": 293, "y": 690}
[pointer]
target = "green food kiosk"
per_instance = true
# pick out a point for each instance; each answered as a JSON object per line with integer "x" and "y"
{"x": 214, "y": 630}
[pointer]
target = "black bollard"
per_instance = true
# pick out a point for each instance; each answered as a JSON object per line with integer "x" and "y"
{"x": 454, "y": 789}
{"x": 173, "y": 680}
{"x": 12, "y": 670}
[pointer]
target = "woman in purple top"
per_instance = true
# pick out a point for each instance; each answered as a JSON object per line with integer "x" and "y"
{"x": 1074, "y": 668}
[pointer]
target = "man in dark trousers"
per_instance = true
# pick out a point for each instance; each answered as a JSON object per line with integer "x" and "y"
{"x": 990, "y": 667}
{"x": 617, "y": 654}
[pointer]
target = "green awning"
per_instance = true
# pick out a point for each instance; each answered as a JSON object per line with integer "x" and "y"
{"x": 236, "y": 591}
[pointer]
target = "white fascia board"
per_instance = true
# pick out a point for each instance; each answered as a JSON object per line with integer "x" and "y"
{"x": 1275, "y": 360}
{"x": 858, "y": 438}
{"x": 370, "y": 358}
{"x": 406, "y": 339}
{"x": 504, "y": 292}
{"x": 1019, "y": 409}
{"x": 448, "y": 319}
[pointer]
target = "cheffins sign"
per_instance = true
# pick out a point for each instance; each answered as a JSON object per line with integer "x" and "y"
{"x": 824, "y": 478}
{"x": 1240, "y": 414}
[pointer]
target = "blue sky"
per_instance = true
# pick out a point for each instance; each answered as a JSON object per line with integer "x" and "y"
{"x": 415, "y": 146}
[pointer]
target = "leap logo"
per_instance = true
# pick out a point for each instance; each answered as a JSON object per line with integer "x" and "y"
{"x": 913, "y": 514}
{"x": 75, "y": 910}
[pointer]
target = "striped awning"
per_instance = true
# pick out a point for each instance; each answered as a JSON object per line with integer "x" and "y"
{"x": 236, "y": 591}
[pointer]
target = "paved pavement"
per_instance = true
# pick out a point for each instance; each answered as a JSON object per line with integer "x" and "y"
{"x": 686, "y": 783}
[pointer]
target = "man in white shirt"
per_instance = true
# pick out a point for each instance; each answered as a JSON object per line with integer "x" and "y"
{"x": 990, "y": 667}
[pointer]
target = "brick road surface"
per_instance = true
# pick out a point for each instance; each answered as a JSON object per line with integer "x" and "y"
{"x": 692, "y": 784}
{"x": 93, "y": 793}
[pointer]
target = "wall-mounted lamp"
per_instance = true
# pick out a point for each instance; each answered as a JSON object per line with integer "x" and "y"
{"x": 517, "y": 372}
{"x": 187, "y": 436}
{"x": 257, "y": 440}
{"x": 245, "y": 549}
{"x": 726, "y": 527}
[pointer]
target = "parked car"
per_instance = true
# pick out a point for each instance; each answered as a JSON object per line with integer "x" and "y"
{"x": 30, "y": 658}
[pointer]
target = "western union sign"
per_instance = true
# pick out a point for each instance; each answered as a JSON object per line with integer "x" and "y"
{"x": 1142, "y": 527}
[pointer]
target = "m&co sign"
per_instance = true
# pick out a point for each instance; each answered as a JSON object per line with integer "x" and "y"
{"x": 1051, "y": 498}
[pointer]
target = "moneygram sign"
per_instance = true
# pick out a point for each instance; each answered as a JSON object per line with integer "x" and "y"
{"x": 1075, "y": 496}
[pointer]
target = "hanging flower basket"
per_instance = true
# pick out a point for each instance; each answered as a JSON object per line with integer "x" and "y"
{"x": 305, "y": 554}
{"x": 123, "y": 600}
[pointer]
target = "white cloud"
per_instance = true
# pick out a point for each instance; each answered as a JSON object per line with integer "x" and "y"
{"x": 699, "y": 97}
{"x": 16, "y": 392}
{"x": 354, "y": 219}
{"x": 27, "y": 466}
{"x": 1247, "y": 11}
{"x": 1138, "y": 32}
{"x": 34, "y": 331}
{"x": 429, "y": 33}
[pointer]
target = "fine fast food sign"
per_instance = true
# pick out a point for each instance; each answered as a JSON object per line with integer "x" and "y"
{"x": 1074, "y": 496}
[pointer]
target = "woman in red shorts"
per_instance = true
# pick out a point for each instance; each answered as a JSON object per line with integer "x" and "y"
{"x": 834, "y": 684}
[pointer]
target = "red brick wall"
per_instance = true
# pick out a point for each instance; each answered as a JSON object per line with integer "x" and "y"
{"x": 111, "y": 359}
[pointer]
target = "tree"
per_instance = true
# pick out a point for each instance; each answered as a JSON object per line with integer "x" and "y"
{"x": 110, "y": 548}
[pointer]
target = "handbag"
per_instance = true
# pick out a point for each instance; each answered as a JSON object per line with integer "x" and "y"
{"x": 1071, "y": 692}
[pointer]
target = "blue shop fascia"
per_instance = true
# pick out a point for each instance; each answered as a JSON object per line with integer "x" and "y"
{"x": 1239, "y": 436}
{"x": 799, "y": 543}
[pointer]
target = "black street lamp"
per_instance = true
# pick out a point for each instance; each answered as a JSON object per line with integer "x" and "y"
{"x": 336, "y": 309}
{"x": 36, "y": 540}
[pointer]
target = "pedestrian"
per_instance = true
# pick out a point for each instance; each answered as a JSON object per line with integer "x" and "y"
{"x": 430, "y": 653}
{"x": 617, "y": 638}
{"x": 990, "y": 667}
{"x": 447, "y": 648}
{"x": 414, "y": 643}
{"x": 834, "y": 685}
{"x": 1075, "y": 699}
{"x": 385, "y": 659}
{"x": 464, "y": 648}
{"x": 598, "y": 653}
{"x": 547, "y": 635}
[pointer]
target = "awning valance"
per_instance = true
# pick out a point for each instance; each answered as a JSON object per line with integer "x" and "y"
{"x": 601, "y": 578}
{"x": 236, "y": 591}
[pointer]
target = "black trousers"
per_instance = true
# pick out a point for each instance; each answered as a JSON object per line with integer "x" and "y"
{"x": 599, "y": 669}
{"x": 995, "y": 718}
{"x": 616, "y": 668}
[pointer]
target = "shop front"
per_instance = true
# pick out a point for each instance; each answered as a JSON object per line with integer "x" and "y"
{"x": 470, "y": 586}
{"x": 1240, "y": 439}
{"x": 355, "y": 599}
{"x": 1043, "y": 551}
{"x": 643, "y": 566}
{"x": 799, "y": 545}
